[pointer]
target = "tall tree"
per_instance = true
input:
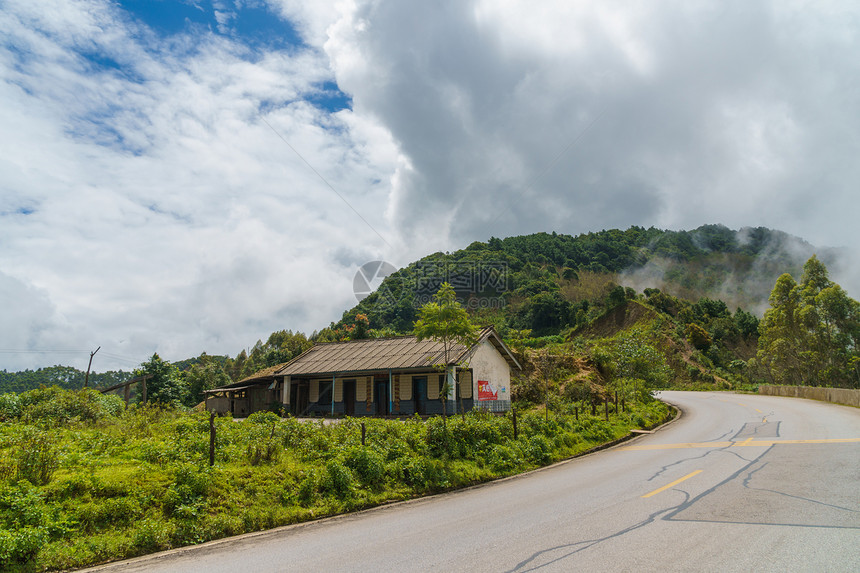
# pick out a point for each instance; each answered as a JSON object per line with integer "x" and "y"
{"x": 811, "y": 333}
{"x": 166, "y": 385}
{"x": 208, "y": 373}
{"x": 444, "y": 320}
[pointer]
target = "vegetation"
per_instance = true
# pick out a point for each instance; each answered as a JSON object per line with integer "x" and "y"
{"x": 811, "y": 333}
{"x": 550, "y": 283}
{"x": 84, "y": 480}
{"x": 445, "y": 321}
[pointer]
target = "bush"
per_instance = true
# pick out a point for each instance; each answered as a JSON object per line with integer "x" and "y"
{"x": 152, "y": 534}
{"x": 338, "y": 479}
{"x": 539, "y": 450}
{"x": 18, "y": 547}
{"x": 10, "y": 406}
{"x": 421, "y": 473}
{"x": 55, "y": 406}
{"x": 367, "y": 464}
{"x": 505, "y": 459}
{"x": 36, "y": 456}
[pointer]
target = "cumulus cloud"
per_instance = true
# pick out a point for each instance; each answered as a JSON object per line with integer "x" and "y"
{"x": 197, "y": 189}
{"x": 165, "y": 200}
{"x": 567, "y": 116}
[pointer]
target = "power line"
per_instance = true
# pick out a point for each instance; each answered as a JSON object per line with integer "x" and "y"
{"x": 324, "y": 180}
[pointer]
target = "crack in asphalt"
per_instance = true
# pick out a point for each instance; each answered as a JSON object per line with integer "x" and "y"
{"x": 669, "y": 514}
{"x": 724, "y": 449}
{"x": 748, "y": 478}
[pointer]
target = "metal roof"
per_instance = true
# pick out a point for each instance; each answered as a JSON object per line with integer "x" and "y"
{"x": 374, "y": 354}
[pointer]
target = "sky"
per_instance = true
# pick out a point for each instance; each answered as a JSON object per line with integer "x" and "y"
{"x": 181, "y": 176}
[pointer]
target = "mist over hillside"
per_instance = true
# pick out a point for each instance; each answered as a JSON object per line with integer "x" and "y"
{"x": 554, "y": 281}
{"x": 729, "y": 272}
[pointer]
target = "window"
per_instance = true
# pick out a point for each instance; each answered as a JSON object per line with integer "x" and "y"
{"x": 325, "y": 393}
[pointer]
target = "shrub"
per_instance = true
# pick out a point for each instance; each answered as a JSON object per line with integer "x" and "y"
{"x": 36, "y": 456}
{"x": 367, "y": 464}
{"x": 263, "y": 450}
{"x": 307, "y": 490}
{"x": 505, "y": 459}
{"x": 20, "y": 546}
{"x": 338, "y": 479}
{"x": 10, "y": 406}
{"x": 152, "y": 534}
{"x": 184, "y": 496}
{"x": 55, "y": 406}
{"x": 539, "y": 449}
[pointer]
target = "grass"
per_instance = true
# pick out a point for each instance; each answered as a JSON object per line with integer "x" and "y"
{"x": 118, "y": 484}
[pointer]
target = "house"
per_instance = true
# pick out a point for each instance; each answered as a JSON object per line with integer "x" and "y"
{"x": 258, "y": 392}
{"x": 389, "y": 376}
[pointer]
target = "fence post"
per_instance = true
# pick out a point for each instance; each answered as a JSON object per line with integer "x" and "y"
{"x": 212, "y": 439}
{"x": 606, "y": 407}
{"x": 514, "y": 410}
{"x": 363, "y": 433}
{"x": 576, "y": 412}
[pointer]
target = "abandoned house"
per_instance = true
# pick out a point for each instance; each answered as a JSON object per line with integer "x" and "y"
{"x": 256, "y": 393}
{"x": 397, "y": 376}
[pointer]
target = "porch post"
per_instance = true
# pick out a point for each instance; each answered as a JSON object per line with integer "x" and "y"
{"x": 455, "y": 391}
{"x": 390, "y": 393}
{"x": 285, "y": 397}
{"x": 332, "y": 394}
{"x": 452, "y": 388}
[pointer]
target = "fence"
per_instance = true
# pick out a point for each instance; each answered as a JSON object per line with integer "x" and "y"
{"x": 835, "y": 395}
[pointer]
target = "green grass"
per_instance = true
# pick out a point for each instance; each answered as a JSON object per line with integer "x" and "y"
{"x": 117, "y": 484}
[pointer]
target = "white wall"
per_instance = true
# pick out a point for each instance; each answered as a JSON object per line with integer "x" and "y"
{"x": 487, "y": 364}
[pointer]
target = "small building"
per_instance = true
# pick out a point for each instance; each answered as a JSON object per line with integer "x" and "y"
{"x": 398, "y": 376}
{"x": 256, "y": 393}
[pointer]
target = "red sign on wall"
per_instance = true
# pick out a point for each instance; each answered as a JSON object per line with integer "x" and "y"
{"x": 486, "y": 391}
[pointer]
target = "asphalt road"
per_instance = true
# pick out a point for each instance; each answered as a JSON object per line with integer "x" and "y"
{"x": 738, "y": 483}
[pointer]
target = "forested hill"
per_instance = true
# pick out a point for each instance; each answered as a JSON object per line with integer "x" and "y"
{"x": 548, "y": 282}
{"x": 62, "y": 376}
{"x": 539, "y": 285}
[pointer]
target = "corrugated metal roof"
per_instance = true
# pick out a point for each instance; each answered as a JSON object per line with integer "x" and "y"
{"x": 373, "y": 354}
{"x": 264, "y": 373}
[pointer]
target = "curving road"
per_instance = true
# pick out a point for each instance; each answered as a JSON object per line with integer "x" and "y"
{"x": 738, "y": 483}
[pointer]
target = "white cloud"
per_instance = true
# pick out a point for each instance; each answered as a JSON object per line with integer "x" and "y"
{"x": 149, "y": 204}
{"x": 153, "y": 206}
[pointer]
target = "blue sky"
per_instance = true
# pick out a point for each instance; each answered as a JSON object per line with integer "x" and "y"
{"x": 179, "y": 177}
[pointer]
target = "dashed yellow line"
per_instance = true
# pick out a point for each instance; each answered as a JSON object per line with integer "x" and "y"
{"x": 674, "y": 483}
{"x": 749, "y": 442}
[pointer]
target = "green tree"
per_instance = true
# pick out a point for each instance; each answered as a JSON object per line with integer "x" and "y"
{"x": 444, "y": 320}
{"x": 811, "y": 332}
{"x": 165, "y": 385}
{"x": 208, "y": 373}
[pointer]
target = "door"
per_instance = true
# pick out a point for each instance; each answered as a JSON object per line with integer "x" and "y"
{"x": 419, "y": 394}
{"x": 349, "y": 397}
{"x": 381, "y": 396}
{"x": 299, "y": 394}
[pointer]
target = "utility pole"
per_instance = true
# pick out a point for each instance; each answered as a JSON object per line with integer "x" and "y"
{"x": 87, "y": 379}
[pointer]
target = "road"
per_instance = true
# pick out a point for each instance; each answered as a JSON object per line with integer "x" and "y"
{"x": 738, "y": 483}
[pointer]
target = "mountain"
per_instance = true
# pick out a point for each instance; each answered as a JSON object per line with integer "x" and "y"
{"x": 550, "y": 283}
{"x": 549, "y": 287}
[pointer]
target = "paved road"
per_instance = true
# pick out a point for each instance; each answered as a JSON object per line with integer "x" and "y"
{"x": 739, "y": 483}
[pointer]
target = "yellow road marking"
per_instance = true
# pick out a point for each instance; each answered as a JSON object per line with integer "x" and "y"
{"x": 759, "y": 411}
{"x": 674, "y": 483}
{"x": 742, "y": 404}
{"x": 749, "y": 442}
